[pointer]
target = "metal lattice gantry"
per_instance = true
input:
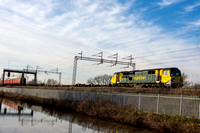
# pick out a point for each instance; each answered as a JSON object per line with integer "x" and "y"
{"x": 34, "y": 72}
{"x": 24, "y": 71}
{"x": 52, "y": 72}
{"x": 101, "y": 61}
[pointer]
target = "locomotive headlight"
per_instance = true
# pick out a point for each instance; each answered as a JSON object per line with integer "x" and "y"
{"x": 173, "y": 80}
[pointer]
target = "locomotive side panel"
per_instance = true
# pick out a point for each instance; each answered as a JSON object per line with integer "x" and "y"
{"x": 140, "y": 77}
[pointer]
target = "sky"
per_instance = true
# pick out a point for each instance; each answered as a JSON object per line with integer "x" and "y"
{"x": 50, "y": 33}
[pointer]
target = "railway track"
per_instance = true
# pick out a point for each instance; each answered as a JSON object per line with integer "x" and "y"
{"x": 114, "y": 89}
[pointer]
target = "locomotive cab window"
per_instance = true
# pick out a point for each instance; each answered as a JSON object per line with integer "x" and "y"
{"x": 175, "y": 73}
{"x": 165, "y": 72}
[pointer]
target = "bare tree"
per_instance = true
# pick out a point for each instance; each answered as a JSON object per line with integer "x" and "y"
{"x": 100, "y": 80}
{"x": 52, "y": 82}
{"x": 32, "y": 82}
{"x": 196, "y": 86}
{"x": 185, "y": 82}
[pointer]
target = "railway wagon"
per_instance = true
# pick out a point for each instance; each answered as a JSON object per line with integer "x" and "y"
{"x": 16, "y": 81}
{"x": 169, "y": 77}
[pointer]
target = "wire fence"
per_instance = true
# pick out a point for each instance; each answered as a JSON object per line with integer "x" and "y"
{"x": 182, "y": 105}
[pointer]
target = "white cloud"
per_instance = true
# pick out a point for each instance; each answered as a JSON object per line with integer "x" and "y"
{"x": 164, "y": 3}
{"x": 196, "y": 23}
{"x": 192, "y": 7}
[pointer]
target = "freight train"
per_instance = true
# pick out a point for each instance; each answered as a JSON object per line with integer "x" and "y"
{"x": 169, "y": 77}
{"x": 16, "y": 81}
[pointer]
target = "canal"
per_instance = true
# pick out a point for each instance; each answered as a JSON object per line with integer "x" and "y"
{"x": 20, "y": 118}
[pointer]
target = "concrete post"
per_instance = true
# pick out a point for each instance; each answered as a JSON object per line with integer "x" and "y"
{"x": 100, "y": 96}
{"x": 124, "y": 100}
{"x": 139, "y": 103}
{"x": 111, "y": 98}
{"x": 181, "y": 105}
{"x": 199, "y": 111}
{"x": 90, "y": 96}
{"x": 158, "y": 104}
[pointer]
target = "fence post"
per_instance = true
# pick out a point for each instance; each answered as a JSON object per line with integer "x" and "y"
{"x": 124, "y": 100}
{"x": 75, "y": 97}
{"x": 90, "y": 96}
{"x": 67, "y": 94}
{"x": 199, "y": 112}
{"x": 72, "y": 95}
{"x": 181, "y": 105}
{"x": 139, "y": 103}
{"x": 100, "y": 96}
{"x": 158, "y": 104}
{"x": 83, "y": 95}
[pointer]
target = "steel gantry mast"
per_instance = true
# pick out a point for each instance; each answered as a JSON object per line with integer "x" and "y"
{"x": 100, "y": 61}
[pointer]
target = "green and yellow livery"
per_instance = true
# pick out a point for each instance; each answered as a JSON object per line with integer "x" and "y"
{"x": 170, "y": 77}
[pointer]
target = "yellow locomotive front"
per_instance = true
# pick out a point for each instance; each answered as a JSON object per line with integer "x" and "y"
{"x": 116, "y": 78}
{"x": 171, "y": 77}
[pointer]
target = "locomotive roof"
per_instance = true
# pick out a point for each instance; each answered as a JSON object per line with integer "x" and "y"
{"x": 169, "y": 68}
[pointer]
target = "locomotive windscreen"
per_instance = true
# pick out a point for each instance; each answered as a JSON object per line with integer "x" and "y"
{"x": 175, "y": 72}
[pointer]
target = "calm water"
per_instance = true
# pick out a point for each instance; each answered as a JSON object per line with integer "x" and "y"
{"x": 34, "y": 119}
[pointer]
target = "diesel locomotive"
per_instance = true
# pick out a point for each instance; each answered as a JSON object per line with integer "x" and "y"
{"x": 169, "y": 77}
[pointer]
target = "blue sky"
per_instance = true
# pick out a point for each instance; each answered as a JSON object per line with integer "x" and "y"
{"x": 174, "y": 14}
{"x": 49, "y": 33}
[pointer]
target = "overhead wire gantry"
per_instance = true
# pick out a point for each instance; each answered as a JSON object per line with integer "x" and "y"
{"x": 101, "y": 61}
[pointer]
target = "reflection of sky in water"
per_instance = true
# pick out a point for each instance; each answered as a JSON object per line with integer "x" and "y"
{"x": 39, "y": 123}
{"x": 43, "y": 123}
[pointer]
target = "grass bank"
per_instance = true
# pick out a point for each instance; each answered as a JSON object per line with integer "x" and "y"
{"x": 103, "y": 110}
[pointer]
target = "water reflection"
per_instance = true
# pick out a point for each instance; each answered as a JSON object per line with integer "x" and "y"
{"x": 13, "y": 109}
{"x": 25, "y": 120}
